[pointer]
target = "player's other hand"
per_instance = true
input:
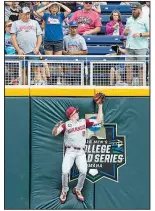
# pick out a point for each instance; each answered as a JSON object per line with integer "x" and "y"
{"x": 58, "y": 124}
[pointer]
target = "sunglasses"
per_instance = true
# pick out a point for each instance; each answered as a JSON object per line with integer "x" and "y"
{"x": 88, "y": 2}
{"x": 8, "y": 26}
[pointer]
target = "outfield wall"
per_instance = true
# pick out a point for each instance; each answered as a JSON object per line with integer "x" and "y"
{"x": 33, "y": 157}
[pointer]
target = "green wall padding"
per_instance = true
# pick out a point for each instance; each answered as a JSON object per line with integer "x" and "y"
{"x": 133, "y": 189}
{"x": 47, "y": 154}
{"x": 132, "y": 115}
{"x": 16, "y": 153}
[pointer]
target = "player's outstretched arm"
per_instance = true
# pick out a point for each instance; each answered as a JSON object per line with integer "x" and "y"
{"x": 57, "y": 129}
{"x": 99, "y": 100}
{"x": 100, "y": 114}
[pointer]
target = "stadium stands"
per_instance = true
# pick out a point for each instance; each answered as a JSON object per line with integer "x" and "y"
{"x": 107, "y": 9}
{"x": 99, "y": 50}
{"x": 106, "y": 18}
{"x": 103, "y": 40}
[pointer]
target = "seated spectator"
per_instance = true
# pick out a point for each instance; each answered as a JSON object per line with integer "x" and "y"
{"x": 70, "y": 4}
{"x": 88, "y": 20}
{"x": 115, "y": 26}
{"x": 65, "y": 26}
{"x": 53, "y": 38}
{"x": 14, "y": 9}
{"x": 97, "y": 7}
{"x": 36, "y": 6}
{"x": 101, "y": 2}
{"x": 128, "y": 3}
{"x": 9, "y": 48}
{"x": 7, "y": 10}
{"x": 74, "y": 44}
{"x": 42, "y": 75}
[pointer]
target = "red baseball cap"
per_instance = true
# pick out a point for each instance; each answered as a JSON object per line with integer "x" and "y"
{"x": 70, "y": 111}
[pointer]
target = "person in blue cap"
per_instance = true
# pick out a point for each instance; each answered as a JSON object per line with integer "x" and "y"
{"x": 74, "y": 44}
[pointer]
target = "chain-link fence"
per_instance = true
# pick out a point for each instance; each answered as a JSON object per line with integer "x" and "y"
{"x": 13, "y": 73}
{"x": 77, "y": 71}
{"x": 56, "y": 73}
{"x": 118, "y": 73}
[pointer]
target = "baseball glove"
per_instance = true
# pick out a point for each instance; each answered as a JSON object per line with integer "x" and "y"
{"x": 99, "y": 98}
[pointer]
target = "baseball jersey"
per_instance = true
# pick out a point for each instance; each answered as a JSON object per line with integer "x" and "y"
{"x": 75, "y": 132}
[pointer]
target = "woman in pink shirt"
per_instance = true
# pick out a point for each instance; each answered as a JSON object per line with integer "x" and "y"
{"x": 115, "y": 26}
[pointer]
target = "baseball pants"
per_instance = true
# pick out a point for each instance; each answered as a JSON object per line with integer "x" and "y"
{"x": 79, "y": 157}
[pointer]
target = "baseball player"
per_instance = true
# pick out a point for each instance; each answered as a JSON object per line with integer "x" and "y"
{"x": 74, "y": 140}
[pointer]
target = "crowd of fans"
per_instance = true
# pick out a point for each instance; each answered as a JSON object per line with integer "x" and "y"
{"x": 56, "y": 28}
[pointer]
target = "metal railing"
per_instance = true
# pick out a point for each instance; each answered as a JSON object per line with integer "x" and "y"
{"x": 109, "y": 70}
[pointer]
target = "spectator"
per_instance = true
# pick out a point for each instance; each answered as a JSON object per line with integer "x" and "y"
{"x": 137, "y": 32}
{"x": 88, "y": 20}
{"x": 74, "y": 44}
{"x": 9, "y": 48}
{"x": 36, "y": 6}
{"x": 128, "y": 3}
{"x": 53, "y": 39}
{"x": 42, "y": 75}
{"x": 115, "y": 26}
{"x": 7, "y": 10}
{"x": 146, "y": 10}
{"x": 26, "y": 36}
{"x": 14, "y": 9}
{"x": 70, "y": 4}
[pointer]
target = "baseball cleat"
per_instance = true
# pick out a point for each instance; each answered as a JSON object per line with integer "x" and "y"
{"x": 63, "y": 197}
{"x": 78, "y": 194}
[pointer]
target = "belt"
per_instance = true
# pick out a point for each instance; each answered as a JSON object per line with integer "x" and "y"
{"x": 78, "y": 148}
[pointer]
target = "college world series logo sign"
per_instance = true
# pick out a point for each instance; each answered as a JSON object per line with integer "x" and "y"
{"x": 105, "y": 150}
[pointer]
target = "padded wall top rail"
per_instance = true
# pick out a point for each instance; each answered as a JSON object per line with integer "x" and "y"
{"x": 77, "y": 91}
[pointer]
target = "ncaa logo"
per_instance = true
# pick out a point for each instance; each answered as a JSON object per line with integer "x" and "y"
{"x": 94, "y": 128}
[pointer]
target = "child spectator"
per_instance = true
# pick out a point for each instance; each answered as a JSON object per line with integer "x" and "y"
{"x": 115, "y": 26}
{"x": 9, "y": 48}
{"x": 74, "y": 44}
{"x": 53, "y": 38}
{"x": 88, "y": 20}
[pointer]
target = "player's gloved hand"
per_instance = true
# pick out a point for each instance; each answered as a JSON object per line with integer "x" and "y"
{"x": 99, "y": 98}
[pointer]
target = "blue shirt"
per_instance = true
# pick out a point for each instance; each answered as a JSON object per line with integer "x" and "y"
{"x": 53, "y": 26}
{"x": 139, "y": 25}
{"x": 9, "y": 48}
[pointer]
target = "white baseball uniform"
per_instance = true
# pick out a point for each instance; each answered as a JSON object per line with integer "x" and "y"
{"x": 74, "y": 140}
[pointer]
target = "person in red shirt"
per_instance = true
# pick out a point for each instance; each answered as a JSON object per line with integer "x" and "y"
{"x": 88, "y": 20}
